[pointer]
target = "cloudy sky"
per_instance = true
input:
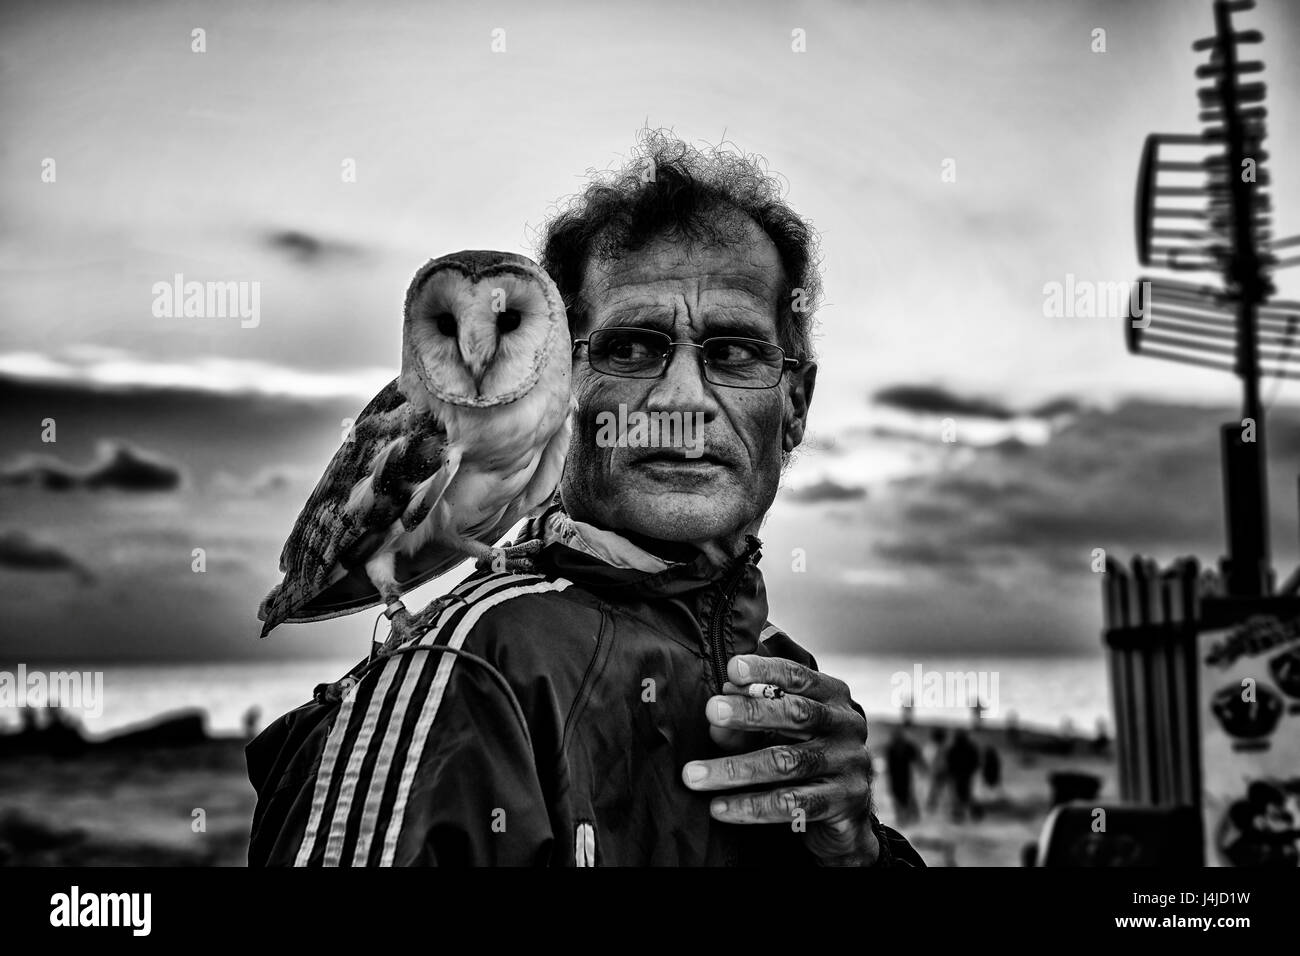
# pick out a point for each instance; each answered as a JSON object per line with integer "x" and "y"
{"x": 178, "y": 433}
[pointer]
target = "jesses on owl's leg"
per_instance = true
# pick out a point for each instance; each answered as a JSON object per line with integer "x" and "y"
{"x": 382, "y": 573}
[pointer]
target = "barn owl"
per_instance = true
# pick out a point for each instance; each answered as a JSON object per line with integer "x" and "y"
{"x": 467, "y": 440}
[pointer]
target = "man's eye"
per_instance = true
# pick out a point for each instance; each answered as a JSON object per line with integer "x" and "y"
{"x": 733, "y": 353}
{"x": 630, "y": 350}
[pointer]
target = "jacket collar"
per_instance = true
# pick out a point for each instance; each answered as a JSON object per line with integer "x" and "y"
{"x": 592, "y": 556}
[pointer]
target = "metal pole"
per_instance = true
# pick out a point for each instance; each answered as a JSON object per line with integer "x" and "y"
{"x": 1247, "y": 569}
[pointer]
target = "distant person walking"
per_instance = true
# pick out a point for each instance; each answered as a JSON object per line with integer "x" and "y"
{"x": 936, "y": 758}
{"x": 963, "y": 760}
{"x": 900, "y": 756}
{"x": 991, "y": 771}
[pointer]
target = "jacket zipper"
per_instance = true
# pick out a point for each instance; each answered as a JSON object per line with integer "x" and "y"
{"x": 718, "y": 620}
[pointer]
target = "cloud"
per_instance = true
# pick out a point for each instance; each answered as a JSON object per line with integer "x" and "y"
{"x": 1011, "y": 447}
{"x": 1057, "y": 407}
{"x": 894, "y": 441}
{"x": 1141, "y": 477}
{"x": 933, "y": 399}
{"x": 923, "y": 552}
{"x": 117, "y": 465}
{"x": 824, "y": 490}
{"x": 267, "y": 481}
{"x": 308, "y": 249}
{"x": 968, "y": 489}
{"x": 20, "y": 551}
{"x": 991, "y": 547}
{"x": 117, "y": 370}
{"x": 924, "y": 415}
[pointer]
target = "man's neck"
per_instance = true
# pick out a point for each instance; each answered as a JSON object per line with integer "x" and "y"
{"x": 720, "y": 551}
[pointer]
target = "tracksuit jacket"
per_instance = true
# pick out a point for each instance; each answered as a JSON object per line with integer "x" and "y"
{"x": 543, "y": 720}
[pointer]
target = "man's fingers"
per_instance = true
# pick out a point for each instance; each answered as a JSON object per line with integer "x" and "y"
{"x": 737, "y": 741}
{"x": 792, "y": 715}
{"x": 744, "y": 669}
{"x": 784, "y": 763}
{"x": 806, "y": 803}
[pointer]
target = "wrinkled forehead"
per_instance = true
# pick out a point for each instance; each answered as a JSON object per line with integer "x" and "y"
{"x": 743, "y": 272}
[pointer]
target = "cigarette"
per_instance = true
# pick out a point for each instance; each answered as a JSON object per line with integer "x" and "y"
{"x": 770, "y": 691}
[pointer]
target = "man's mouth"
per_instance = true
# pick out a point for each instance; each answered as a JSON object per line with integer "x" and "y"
{"x": 678, "y": 457}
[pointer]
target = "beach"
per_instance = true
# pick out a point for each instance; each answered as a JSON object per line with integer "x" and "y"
{"x": 185, "y": 805}
{"x": 187, "y": 801}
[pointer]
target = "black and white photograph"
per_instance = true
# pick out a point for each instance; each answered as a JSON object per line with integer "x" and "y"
{"x": 797, "y": 436}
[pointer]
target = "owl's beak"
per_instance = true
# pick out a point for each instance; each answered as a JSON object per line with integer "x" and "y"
{"x": 478, "y": 346}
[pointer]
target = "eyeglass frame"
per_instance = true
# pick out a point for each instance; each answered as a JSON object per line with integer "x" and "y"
{"x": 786, "y": 363}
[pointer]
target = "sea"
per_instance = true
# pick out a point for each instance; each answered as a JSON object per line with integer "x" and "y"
{"x": 1067, "y": 694}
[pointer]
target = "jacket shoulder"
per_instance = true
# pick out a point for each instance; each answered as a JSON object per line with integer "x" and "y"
{"x": 391, "y": 774}
{"x": 531, "y": 621}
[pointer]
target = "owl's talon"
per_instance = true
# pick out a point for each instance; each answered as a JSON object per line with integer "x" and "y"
{"x": 511, "y": 559}
{"x": 494, "y": 560}
{"x": 409, "y": 628}
{"x": 522, "y": 558}
{"x": 403, "y": 628}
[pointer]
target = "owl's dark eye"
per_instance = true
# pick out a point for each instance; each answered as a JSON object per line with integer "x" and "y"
{"x": 446, "y": 323}
{"x": 508, "y": 320}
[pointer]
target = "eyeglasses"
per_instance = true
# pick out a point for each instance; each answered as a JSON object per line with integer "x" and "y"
{"x": 644, "y": 353}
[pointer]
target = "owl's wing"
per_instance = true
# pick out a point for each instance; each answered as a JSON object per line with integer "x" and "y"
{"x": 396, "y": 456}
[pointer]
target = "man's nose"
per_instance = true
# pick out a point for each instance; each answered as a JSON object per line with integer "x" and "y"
{"x": 682, "y": 387}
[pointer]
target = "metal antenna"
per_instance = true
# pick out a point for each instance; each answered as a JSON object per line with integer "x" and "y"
{"x": 1203, "y": 206}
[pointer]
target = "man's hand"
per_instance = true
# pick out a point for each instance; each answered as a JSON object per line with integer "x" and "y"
{"x": 819, "y": 763}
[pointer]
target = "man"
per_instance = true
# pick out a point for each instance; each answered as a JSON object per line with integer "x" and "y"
{"x": 963, "y": 762}
{"x": 935, "y": 756}
{"x": 901, "y": 756}
{"x": 627, "y": 702}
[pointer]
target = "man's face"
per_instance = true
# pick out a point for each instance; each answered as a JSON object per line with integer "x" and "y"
{"x": 720, "y": 490}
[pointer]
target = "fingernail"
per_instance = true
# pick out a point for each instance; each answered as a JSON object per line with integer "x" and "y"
{"x": 722, "y": 710}
{"x": 719, "y": 806}
{"x": 742, "y": 668}
{"x": 695, "y": 772}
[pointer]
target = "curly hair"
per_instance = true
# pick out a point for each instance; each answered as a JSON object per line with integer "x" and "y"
{"x": 669, "y": 188}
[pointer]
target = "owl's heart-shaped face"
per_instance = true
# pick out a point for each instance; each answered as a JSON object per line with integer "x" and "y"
{"x": 481, "y": 326}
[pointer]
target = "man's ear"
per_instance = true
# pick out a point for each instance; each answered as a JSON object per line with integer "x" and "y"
{"x": 799, "y": 385}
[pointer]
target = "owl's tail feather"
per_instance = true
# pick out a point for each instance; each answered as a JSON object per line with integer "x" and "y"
{"x": 284, "y": 601}
{"x": 277, "y": 607}
{"x": 291, "y": 601}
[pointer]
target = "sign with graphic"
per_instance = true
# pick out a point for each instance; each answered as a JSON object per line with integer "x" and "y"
{"x": 1249, "y": 678}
